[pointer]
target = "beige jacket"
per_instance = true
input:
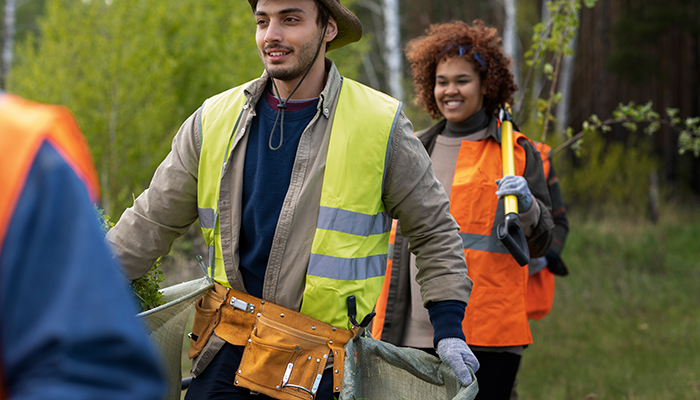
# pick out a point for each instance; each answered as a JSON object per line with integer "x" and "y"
{"x": 412, "y": 194}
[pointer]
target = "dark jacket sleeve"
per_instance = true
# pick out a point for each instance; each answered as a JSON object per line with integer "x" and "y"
{"x": 561, "y": 222}
{"x": 69, "y": 329}
{"x": 538, "y": 243}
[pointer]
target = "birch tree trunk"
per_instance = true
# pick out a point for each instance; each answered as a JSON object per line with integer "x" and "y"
{"x": 510, "y": 38}
{"x": 565, "y": 83}
{"x": 537, "y": 83}
{"x": 8, "y": 41}
{"x": 392, "y": 44}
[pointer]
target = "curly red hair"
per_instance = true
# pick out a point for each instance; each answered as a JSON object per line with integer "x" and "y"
{"x": 443, "y": 41}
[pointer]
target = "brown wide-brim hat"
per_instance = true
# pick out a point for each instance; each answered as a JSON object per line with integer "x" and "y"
{"x": 349, "y": 26}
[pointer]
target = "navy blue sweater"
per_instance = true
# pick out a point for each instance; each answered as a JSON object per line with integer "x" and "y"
{"x": 266, "y": 177}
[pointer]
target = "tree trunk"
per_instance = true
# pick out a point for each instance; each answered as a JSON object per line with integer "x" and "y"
{"x": 8, "y": 41}
{"x": 653, "y": 197}
{"x": 392, "y": 41}
{"x": 537, "y": 81}
{"x": 565, "y": 82}
{"x": 510, "y": 38}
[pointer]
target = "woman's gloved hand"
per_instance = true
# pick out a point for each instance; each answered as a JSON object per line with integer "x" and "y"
{"x": 515, "y": 185}
{"x": 457, "y": 354}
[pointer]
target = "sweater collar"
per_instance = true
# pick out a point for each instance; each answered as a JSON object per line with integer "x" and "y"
{"x": 256, "y": 88}
{"x": 475, "y": 123}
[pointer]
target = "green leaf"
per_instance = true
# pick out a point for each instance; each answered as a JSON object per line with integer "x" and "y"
{"x": 630, "y": 126}
{"x": 652, "y": 127}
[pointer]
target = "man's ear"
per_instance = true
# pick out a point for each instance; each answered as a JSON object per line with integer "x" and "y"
{"x": 331, "y": 31}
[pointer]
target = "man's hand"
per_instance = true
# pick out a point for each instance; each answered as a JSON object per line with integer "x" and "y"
{"x": 457, "y": 354}
{"x": 515, "y": 185}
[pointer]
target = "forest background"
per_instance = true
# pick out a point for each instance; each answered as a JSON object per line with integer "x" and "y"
{"x": 625, "y": 322}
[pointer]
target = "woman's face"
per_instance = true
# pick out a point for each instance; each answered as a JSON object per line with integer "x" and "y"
{"x": 458, "y": 90}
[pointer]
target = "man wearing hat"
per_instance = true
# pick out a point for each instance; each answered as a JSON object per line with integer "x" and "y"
{"x": 295, "y": 178}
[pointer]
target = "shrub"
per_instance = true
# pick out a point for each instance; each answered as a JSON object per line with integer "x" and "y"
{"x": 146, "y": 288}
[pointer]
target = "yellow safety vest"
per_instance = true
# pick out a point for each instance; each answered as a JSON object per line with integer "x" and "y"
{"x": 349, "y": 250}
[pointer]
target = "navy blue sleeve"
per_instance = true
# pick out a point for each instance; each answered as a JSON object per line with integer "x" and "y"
{"x": 446, "y": 318}
{"x": 68, "y": 328}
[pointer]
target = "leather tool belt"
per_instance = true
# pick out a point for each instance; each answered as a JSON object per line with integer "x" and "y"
{"x": 285, "y": 351}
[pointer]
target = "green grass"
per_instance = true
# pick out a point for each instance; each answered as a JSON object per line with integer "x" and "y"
{"x": 626, "y": 321}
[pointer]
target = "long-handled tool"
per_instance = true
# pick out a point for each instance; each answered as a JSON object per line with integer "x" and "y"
{"x": 509, "y": 231}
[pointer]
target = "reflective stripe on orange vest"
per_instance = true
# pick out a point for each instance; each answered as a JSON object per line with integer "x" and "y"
{"x": 25, "y": 126}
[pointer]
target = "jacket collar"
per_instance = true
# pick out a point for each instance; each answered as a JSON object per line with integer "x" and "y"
{"x": 256, "y": 88}
{"x": 428, "y": 136}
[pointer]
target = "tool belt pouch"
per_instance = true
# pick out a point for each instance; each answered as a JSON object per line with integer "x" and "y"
{"x": 286, "y": 353}
{"x": 207, "y": 315}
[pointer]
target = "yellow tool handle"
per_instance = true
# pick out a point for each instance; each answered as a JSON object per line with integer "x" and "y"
{"x": 510, "y": 202}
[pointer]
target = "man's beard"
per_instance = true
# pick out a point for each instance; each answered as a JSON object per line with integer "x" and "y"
{"x": 306, "y": 55}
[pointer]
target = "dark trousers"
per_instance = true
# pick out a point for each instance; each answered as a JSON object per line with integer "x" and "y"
{"x": 496, "y": 374}
{"x": 216, "y": 381}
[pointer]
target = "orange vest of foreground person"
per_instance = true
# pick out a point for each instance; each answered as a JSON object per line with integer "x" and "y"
{"x": 24, "y": 127}
{"x": 540, "y": 286}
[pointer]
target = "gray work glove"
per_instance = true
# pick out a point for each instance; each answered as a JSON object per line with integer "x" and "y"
{"x": 515, "y": 185}
{"x": 536, "y": 265}
{"x": 457, "y": 354}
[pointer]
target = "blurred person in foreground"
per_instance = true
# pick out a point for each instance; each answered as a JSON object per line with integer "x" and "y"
{"x": 68, "y": 325}
{"x": 295, "y": 177}
{"x": 461, "y": 77}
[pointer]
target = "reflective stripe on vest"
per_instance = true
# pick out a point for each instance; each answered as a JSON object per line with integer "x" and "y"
{"x": 496, "y": 313}
{"x": 349, "y": 250}
{"x": 25, "y": 126}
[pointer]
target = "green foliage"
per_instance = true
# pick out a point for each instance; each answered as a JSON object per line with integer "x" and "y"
{"x": 553, "y": 36}
{"x": 132, "y": 71}
{"x": 146, "y": 288}
{"x": 551, "y": 41}
{"x": 630, "y": 116}
{"x": 26, "y": 13}
{"x": 88, "y": 47}
{"x": 689, "y": 139}
{"x": 609, "y": 175}
{"x": 625, "y": 321}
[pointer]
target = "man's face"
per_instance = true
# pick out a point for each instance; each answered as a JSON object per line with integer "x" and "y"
{"x": 287, "y": 36}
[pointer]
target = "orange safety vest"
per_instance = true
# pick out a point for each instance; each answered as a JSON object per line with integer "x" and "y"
{"x": 540, "y": 286}
{"x": 380, "y": 308}
{"x": 24, "y": 127}
{"x": 496, "y": 314}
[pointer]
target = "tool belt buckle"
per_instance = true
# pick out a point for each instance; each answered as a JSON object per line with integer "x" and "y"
{"x": 242, "y": 305}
